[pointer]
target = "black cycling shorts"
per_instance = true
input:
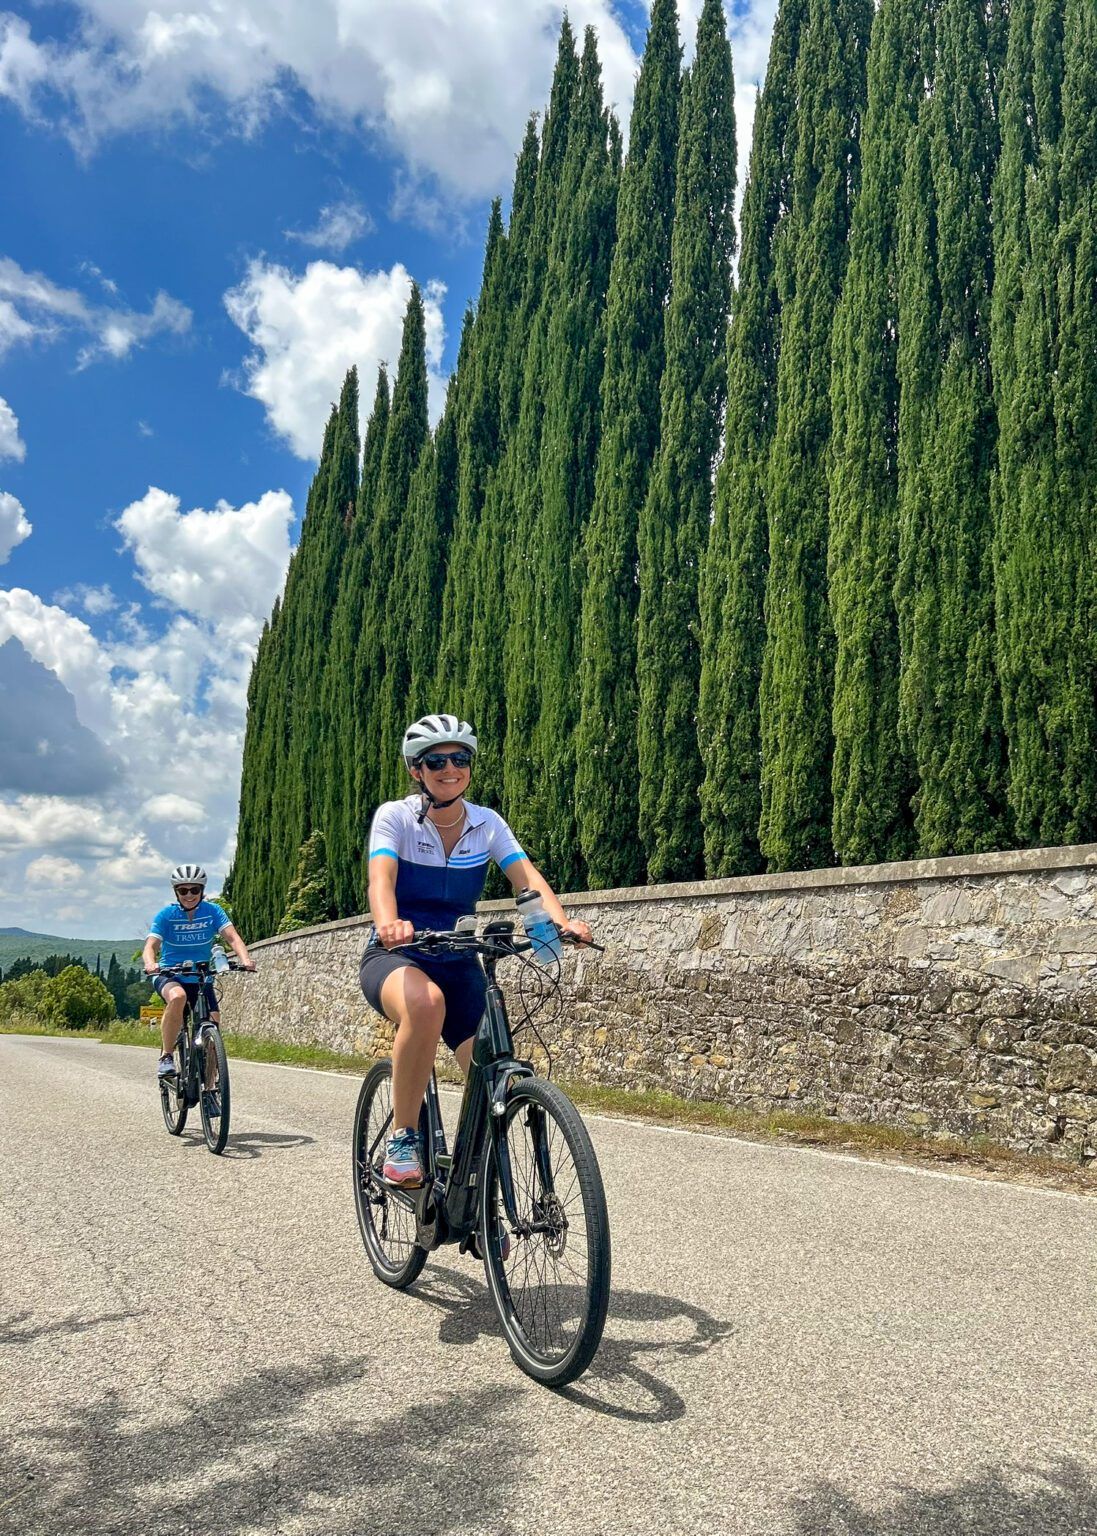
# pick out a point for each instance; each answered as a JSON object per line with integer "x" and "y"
{"x": 190, "y": 986}
{"x": 460, "y": 979}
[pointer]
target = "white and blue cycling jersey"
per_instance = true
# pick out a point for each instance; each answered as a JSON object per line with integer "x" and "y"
{"x": 188, "y": 936}
{"x": 431, "y": 890}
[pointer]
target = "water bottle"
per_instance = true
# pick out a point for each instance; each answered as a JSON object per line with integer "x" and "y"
{"x": 219, "y": 961}
{"x": 540, "y": 929}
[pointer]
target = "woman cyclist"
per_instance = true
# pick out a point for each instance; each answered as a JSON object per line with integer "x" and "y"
{"x": 428, "y": 859}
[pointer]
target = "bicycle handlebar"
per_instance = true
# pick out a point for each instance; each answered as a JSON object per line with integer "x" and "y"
{"x": 486, "y": 942}
{"x": 195, "y": 968}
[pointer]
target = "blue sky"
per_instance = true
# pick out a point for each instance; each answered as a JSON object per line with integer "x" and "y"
{"x": 205, "y": 216}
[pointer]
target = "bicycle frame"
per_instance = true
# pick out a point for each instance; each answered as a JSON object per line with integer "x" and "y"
{"x": 446, "y": 1205}
{"x": 196, "y": 1020}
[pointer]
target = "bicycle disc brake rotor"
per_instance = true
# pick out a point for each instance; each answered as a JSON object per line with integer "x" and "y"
{"x": 556, "y": 1238}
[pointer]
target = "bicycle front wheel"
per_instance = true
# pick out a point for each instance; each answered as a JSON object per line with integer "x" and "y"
{"x": 215, "y": 1128}
{"x": 173, "y": 1090}
{"x": 550, "y": 1278}
{"x": 386, "y": 1216}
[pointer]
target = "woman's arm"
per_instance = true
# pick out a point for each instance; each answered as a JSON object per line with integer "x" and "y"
{"x": 391, "y": 928}
{"x": 522, "y": 873}
{"x": 240, "y": 949}
{"x": 150, "y": 955}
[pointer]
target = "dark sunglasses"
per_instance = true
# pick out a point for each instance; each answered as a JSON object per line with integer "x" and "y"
{"x": 436, "y": 761}
{"x": 188, "y": 890}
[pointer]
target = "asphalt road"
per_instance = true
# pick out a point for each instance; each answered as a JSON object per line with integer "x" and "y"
{"x": 798, "y": 1342}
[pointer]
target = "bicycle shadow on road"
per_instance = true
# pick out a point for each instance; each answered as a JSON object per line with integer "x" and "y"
{"x": 280, "y": 1446}
{"x": 616, "y": 1384}
{"x": 248, "y": 1145}
{"x": 1059, "y": 1499}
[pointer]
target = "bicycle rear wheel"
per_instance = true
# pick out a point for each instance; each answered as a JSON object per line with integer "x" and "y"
{"x": 215, "y": 1130}
{"x": 551, "y": 1289}
{"x": 173, "y": 1091}
{"x": 385, "y": 1216}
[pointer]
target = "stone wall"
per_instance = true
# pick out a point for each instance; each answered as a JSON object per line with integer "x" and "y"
{"x": 952, "y": 995}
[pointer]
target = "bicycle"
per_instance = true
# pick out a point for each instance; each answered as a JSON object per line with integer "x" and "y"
{"x": 522, "y": 1160}
{"x": 199, "y": 1034}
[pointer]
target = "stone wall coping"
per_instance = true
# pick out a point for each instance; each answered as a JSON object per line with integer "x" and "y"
{"x": 964, "y": 866}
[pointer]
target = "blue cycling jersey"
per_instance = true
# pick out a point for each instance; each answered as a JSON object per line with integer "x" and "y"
{"x": 186, "y": 936}
{"x": 431, "y": 890}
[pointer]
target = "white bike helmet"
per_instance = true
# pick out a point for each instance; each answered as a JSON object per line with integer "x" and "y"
{"x": 188, "y": 874}
{"x": 435, "y": 731}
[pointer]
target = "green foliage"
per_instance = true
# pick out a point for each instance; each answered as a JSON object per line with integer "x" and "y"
{"x": 74, "y": 998}
{"x": 949, "y": 710}
{"x": 307, "y": 900}
{"x": 674, "y": 521}
{"x": 24, "y": 996}
{"x": 797, "y": 668}
{"x": 639, "y": 286}
{"x": 1044, "y": 351}
{"x": 872, "y": 779}
{"x": 734, "y": 573}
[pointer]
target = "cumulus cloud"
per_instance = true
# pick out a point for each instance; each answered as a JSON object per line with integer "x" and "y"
{"x": 447, "y": 88}
{"x": 93, "y": 600}
{"x": 11, "y": 444}
{"x": 306, "y": 331}
{"x": 33, "y": 307}
{"x": 53, "y": 873}
{"x": 338, "y": 225}
{"x": 14, "y": 527}
{"x": 44, "y": 749}
{"x": 168, "y": 707}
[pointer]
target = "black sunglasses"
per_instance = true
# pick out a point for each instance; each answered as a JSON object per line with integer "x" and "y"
{"x": 188, "y": 890}
{"x": 436, "y": 761}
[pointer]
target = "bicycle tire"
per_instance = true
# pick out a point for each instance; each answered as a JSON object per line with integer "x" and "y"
{"x": 173, "y": 1094}
{"x": 532, "y": 1315}
{"x": 386, "y": 1223}
{"x": 216, "y": 1131}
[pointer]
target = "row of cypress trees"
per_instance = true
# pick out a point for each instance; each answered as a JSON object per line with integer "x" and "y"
{"x": 778, "y": 575}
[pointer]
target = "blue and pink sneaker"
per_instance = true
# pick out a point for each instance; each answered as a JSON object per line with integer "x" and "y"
{"x": 402, "y": 1164}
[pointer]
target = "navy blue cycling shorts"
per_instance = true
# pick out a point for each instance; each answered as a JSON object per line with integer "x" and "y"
{"x": 460, "y": 979}
{"x": 191, "y": 988}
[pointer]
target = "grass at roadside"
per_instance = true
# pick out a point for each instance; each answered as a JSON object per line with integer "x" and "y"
{"x": 976, "y": 1155}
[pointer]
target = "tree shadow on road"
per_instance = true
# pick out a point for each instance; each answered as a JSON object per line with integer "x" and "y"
{"x": 1059, "y": 1499}
{"x": 19, "y": 1329}
{"x": 616, "y": 1384}
{"x": 277, "y": 1449}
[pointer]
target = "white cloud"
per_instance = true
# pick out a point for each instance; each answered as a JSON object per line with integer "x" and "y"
{"x": 338, "y": 225}
{"x": 221, "y": 566}
{"x": 53, "y": 872}
{"x": 447, "y": 87}
{"x": 168, "y": 706}
{"x": 11, "y": 444}
{"x": 93, "y": 600}
{"x": 14, "y": 527}
{"x": 33, "y": 306}
{"x": 307, "y": 330}
{"x": 174, "y": 808}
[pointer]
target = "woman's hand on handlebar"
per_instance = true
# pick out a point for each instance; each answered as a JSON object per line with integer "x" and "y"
{"x": 395, "y": 933}
{"x": 578, "y": 931}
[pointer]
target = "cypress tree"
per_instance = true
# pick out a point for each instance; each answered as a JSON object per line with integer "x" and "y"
{"x": 575, "y": 343}
{"x": 797, "y": 669}
{"x": 344, "y": 832}
{"x": 872, "y": 780}
{"x": 639, "y": 285}
{"x": 949, "y": 711}
{"x": 1044, "y": 352}
{"x": 674, "y": 521}
{"x": 307, "y": 899}
{"x": 503, "y": 351}
{"x": 404, "y": 443}
{"x": 734, "y": 573}
{"x": 515, "y": 499}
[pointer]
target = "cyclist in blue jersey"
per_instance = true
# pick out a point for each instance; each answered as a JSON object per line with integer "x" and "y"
{"x": 183, "y": 931}
{"x": 428, "y": 859}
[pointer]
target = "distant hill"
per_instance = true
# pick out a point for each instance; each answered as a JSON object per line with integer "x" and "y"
{"x": 16, "y": 942}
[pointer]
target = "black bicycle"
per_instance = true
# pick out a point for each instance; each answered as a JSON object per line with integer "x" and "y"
{"x": 201, "y": 1066}
{"x": 522, "y": 1184}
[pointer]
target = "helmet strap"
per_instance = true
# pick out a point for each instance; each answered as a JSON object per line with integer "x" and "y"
{"x": 431, "y": 803}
